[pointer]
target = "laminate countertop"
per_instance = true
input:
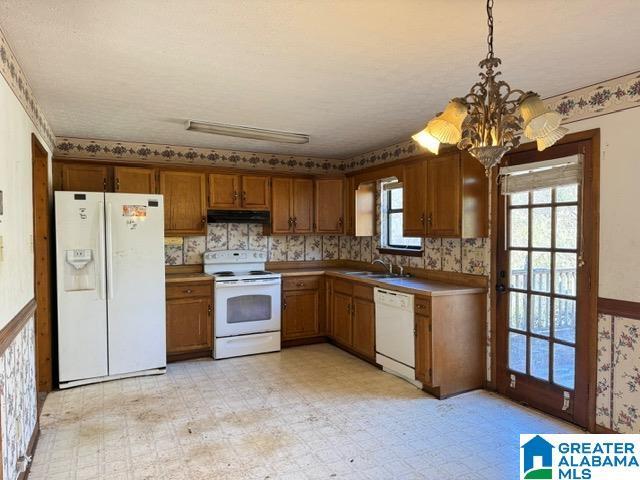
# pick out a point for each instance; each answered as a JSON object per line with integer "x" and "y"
{"x": 414, "y": 285}
{"x": 187, "y": 277}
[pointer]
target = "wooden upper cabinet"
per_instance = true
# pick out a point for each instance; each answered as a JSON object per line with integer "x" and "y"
{"x": 83, "y": 177}
{"x": 302, "y": 205}
{"x": 414, "y": 199}
{"x": 224, "y": 191}
{"x": 255, "y": 192}
{"x": 228, "y": 191}
{"x": 444, "y": 200}
{"x": 475, "y": 198}
{"x": 329, "y": 205}
{"x": 281, "y": 212}
{"x": 134, "y": 180}
{"x": 185, "y": 202}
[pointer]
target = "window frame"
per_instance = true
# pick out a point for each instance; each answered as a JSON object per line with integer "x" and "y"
{"x": 385, "y": 235}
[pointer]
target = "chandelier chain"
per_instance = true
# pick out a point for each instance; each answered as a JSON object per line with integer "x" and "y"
{"x": 490, "y": 25}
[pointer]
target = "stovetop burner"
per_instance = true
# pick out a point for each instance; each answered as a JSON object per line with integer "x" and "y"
{"x": 259, "y": 272}
{"x": 226, "y": 273}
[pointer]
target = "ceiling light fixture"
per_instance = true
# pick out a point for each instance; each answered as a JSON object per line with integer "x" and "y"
{"x": 488, "y": 120}
{"x": 247, "y": 132}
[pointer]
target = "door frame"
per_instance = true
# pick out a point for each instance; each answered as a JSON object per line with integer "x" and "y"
{"x": 42, "y": 265}
{"x": 591, "y": 218}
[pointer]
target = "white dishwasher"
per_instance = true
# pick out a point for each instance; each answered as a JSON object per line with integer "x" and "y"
{"x": 395, "y": 337}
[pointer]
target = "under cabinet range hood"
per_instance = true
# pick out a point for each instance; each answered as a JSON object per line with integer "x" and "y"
{"x": 238, "y": 216}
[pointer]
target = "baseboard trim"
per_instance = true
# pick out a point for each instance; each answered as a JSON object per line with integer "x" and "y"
{"x": 179, "y": 357}
{"x": 35, "y": 436}
{"x": 601, "y": 429}
{"x": 16, "y": 324}
{"x": 296, "y": 342}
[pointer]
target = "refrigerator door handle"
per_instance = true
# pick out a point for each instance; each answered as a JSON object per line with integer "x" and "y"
{"x": 101, "y": 249}
{"x": 109, "y": 253}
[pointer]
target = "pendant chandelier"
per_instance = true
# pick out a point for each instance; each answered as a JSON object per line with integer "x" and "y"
{"x": 488, "y": 120}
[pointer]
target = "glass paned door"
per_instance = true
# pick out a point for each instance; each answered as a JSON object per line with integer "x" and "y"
{"x": 546, "y": 263}
{"x": 542, "y": 243}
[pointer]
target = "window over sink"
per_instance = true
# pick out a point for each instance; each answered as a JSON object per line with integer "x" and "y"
{"x": 391, "y": 215}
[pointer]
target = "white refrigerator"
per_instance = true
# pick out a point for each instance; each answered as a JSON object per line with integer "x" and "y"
{"x": 111, "y": 286}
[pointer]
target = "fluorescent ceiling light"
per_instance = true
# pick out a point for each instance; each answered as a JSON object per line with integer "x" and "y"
{"x": 247, "y": 132}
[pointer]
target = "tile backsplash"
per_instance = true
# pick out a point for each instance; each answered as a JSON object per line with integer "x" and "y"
{"x": 455, "y": 255}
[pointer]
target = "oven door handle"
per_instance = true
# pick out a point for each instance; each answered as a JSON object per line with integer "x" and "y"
{"x": 245, "y": 283}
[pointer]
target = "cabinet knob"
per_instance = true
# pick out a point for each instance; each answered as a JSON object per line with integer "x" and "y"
{"x": 203, "y": 220}
{"x": 117, "y": 184}
{"x": 244, "y": 195}
{"x": 284, "y": 305}
{"x": 209, "y": 309}
{"x": 422, "y": 219}
{"x": 290, "y": 221}
{"x": 300, "y": 284}
{"x": 188, "y": 290}
{"x": 235, "y": 195}
{"x": 420, "y": 306}
{"x": 430, "y": 219}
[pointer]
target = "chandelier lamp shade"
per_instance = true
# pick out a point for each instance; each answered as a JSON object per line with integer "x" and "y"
{"x": 489, "y": 120}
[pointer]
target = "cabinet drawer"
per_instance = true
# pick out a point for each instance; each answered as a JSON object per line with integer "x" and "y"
{"x": 343, "y": 286}
{"x": 188, "y": 290}
{"x": 300, "y": 283}
{"x": 423, "y": 306}
{"x": 364, "y": 292}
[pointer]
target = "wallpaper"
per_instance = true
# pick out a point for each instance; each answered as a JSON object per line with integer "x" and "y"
{"x": 618, "y": 387}
{"x": 454, "y": 255}
{"x": 18, "y": 403}
{"x": 13, "y": 74}
{"x": 179, "y": 155}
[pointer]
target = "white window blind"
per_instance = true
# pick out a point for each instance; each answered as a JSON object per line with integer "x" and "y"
{"x": 539, "y": 175}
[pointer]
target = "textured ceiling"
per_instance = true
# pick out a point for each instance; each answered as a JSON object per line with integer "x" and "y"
{"x": 354, "y": 74}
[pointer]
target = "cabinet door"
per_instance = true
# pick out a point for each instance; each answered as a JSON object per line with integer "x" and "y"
{"x": 349, "y": 206}
{"x": 255, "y": 192}
{"x": 224, "y": 191}
{"x": 85, "y": 178}
{"x": 300, "y": 314}
{"x": 281, "y": 215}
{"x": 414, "y": 199}
{"x": 189, "y": 324}
{"x": 423, "y": 349}
{"x": 329, "y": 205}
{"x": 185, "y": 202}
{"x": 364, "y": 327}
{"x": 134, "y": 180}
{"x": 444, "y": 199}
{"x": 302, "y": 205}
{"x": 342, "y": 325}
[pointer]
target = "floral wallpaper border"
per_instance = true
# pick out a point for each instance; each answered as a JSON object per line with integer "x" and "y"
{"x": 618, "y": 374}
{"x": 17, "y": 81}
{"x": 153, "y": 152}
{"x": 18, "y": 401}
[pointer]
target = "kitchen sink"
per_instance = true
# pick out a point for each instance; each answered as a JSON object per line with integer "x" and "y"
{"x": 371, "y": 274}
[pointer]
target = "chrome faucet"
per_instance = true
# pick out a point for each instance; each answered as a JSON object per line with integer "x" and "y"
{"x": 381, "y": 262}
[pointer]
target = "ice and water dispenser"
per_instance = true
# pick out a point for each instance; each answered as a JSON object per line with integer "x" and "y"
{"x": 79, "y": 270}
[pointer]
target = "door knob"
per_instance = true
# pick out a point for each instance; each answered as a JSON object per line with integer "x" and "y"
{"x": 500, "y": 288}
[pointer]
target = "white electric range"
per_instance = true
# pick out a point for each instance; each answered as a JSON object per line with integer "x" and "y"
{"x": 246, "y": 303}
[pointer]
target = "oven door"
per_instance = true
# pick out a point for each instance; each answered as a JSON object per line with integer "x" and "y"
{"x": 247, "y": 306}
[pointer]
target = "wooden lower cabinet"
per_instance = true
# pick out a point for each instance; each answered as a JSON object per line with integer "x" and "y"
{"x": 189, "y": 319}
{"x": 450, "y": 332}
{"x": 364, "y": 336}
{"x": 353, "y": 317}
{"x": 302, "y": 308}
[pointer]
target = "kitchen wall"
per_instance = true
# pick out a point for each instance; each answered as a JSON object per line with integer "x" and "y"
{"x": 618, "y": 387}
{"x": 611, "y": 107}
{"x": 19, "y": 117}
{"x": 454, "y": 255}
